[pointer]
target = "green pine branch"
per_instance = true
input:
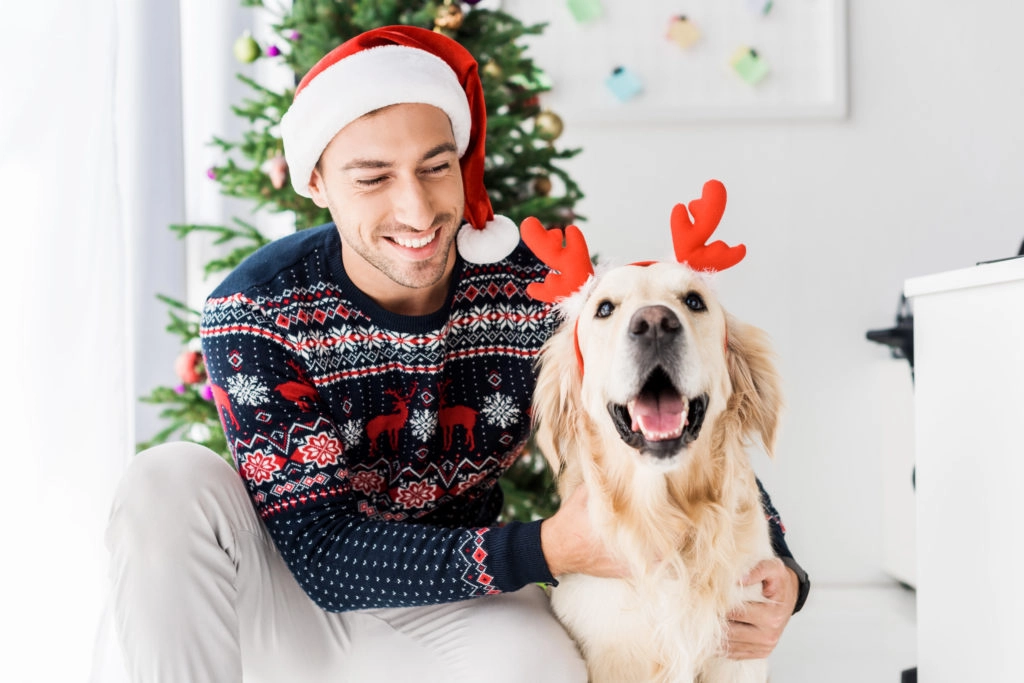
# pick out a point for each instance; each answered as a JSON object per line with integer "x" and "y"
{"x": 519, "y": 157}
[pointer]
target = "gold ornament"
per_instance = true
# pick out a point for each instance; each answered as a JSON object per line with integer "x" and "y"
{"x": 492, "y": 69}
{"x": 542, "y": 186}
{"x": 448, "y": 17}
{"x": 548, "y": 125}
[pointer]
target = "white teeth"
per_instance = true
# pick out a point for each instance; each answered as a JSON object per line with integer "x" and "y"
{"x": 416, "y": 244}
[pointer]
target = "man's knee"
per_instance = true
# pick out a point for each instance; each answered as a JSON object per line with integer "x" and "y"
{"x": 159, "y": 476}
{"x": 160, "y": 486}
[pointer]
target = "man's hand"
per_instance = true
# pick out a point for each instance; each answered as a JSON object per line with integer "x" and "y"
{"x": 755, "y": 628}
{"x": 570, "y": 544}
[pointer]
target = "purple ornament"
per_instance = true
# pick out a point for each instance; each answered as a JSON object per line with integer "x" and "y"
{"x": 206, "y": 392}
{"x": 272, "y": 51}
{"x": 211, "y": 173}
{"x": 180, "y": 389}
{"x": 471, "y": 2}
{"x": 294, "y": 35}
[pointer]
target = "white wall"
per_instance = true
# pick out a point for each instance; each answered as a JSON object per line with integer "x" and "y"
{"x": 923, "y": 176}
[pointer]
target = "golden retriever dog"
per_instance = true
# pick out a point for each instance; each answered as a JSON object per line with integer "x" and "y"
{"x": 647, "y": 395}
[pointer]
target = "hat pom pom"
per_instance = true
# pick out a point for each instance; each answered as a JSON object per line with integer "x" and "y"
{"x": 490, "y": 244}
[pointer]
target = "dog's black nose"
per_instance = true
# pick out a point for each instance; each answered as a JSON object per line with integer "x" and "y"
{"x": 654, "y": 322}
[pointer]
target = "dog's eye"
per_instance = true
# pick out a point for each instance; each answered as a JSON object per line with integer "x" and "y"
{"x": 604, "y": 309}
{"x": 695, "y": 302}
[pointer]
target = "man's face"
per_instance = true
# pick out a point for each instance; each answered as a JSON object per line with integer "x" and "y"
{"x": 393, "y": 185}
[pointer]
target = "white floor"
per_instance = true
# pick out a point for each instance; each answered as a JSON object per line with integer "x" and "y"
{"x": 844, "y": 634}
{"x": 849, "y": 634}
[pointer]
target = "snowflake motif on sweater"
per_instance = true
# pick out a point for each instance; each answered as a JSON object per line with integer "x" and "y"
{"x": 371, "y": 443}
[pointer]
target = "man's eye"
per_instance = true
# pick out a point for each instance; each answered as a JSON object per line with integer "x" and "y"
{"x": 440, "y": 168}
{"x": 604, "y": 309}
{"x": 370, "y": 182}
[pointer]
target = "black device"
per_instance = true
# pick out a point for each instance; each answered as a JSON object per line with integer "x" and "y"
{"x": 900, "y": 337}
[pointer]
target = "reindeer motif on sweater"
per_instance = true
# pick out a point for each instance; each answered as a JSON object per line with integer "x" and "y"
{"x": 347, "y": 422}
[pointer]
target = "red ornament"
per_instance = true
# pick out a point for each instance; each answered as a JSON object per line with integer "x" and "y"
{"x": 189, "y": 367}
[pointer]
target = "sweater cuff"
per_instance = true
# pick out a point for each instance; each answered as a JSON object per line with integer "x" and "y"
{"x": 805, "y": 581}
{"x": 515, "y": 556}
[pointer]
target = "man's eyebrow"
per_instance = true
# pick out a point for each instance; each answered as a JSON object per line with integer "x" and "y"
{"x": 440, "y": 149}
{"x": 365, "y": 163}
{"x": 356, "y": 164}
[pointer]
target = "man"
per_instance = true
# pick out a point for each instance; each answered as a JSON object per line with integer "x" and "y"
{"x": 373, "y": 377}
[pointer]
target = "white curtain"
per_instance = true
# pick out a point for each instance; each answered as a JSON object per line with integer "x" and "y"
{"x": 107, "y": 108}
{"x": 78, "y": 205}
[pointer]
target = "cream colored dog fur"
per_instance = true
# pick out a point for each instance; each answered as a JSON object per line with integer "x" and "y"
{"x": 655, "y": 424}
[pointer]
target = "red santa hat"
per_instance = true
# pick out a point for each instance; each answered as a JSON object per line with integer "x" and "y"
{"x": 401, "y": 65}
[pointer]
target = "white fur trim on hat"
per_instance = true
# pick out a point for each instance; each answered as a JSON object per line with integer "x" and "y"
{"x": 490, "y": 244}
{"x": 358, "y": 84}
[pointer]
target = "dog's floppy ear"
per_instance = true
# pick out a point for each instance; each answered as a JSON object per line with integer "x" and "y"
{"x": 756, "y": 385}
{"x": 556, "y": 412}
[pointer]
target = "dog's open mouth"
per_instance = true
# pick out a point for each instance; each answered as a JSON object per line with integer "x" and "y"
{"x": 659, "y": 420}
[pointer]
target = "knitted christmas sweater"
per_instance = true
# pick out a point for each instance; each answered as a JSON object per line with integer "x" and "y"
{"x": 371, "y": 443}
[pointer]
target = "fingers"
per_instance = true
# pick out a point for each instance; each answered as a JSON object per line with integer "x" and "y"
{"x": 765, "y": 571}
{"x": 757, "y": 574}
{"x": 754, "y": 628}
{"x": 779, "y": 583}
{"x": 770, "y": 617}
{"x": 747, "y": 613}
{"x": 747, "y": 640}
{"x": 747, "y": 643}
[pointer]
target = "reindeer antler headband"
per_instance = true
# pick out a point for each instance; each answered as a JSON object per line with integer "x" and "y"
{"x": 569, "y": 258}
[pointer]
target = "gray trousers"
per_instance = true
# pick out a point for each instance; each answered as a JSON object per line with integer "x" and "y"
{"x": 200, "y": 593}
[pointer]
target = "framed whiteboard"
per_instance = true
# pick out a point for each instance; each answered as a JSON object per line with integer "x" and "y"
{"x": 802, "y": 42}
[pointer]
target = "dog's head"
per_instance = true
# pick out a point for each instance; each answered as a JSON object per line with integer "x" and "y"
{"x": 646, "y": 354}
{"x": 653, "y": 339}
{"x": 650, "y": 357}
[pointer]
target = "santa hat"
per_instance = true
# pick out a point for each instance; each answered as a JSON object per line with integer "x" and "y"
{"x": 401, "y": 65}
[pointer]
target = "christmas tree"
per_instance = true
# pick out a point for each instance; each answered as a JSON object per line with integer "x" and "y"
{"x": 521, "y": 175}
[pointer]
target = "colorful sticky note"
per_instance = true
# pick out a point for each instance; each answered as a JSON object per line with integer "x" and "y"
{"x": 585, "y": 10}
{"x": 624, "y": 84}
{"x": 759, "y": 6}
{"x": 749, "y": 65}
{"x": 683, "y": 32}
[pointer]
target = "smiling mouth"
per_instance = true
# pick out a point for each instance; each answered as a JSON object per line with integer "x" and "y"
{"x": 415, "y": 243}
{"x": 659, "y": 420}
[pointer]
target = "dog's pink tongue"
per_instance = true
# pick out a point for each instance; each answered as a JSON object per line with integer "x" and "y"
{"x": 659, "y": 417}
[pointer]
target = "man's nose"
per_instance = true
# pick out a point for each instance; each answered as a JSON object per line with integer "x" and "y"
{"x": 412, "y": 204}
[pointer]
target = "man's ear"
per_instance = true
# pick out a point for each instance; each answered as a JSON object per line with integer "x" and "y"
{"x": 318, "y": 188}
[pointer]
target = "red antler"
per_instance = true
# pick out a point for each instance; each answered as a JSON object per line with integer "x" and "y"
{"x": 689, "y": 238}
{"x": 570, "y": 264}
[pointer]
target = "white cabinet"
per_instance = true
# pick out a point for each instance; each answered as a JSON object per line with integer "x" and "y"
{"x": 895, "y": 428}
{"x": 969, "y": 434}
